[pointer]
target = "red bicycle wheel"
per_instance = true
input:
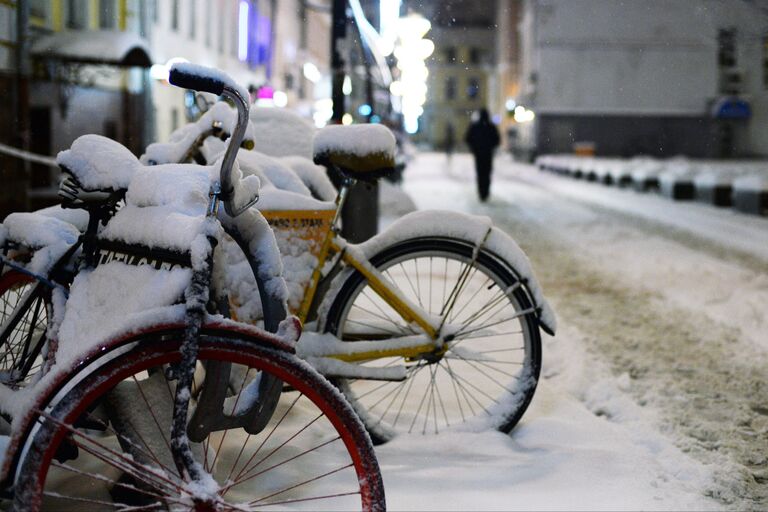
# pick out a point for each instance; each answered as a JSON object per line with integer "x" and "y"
{"x": 105, "y": 444}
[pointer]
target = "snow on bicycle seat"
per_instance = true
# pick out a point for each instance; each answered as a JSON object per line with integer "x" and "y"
{"x": 99, "y": 163}
{"x": 362, "y": 151}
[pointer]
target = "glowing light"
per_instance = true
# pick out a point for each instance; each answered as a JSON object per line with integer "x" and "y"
{"x": 346, "y": 87}
{"x": 280, "y": 99}
{"x": 311, "y": 73}
{"x": 242, "y": 24}
{"x": 364, "y": 109}
{"x": 323, "y": 112}
{"x": 411, "y": 52}
{"x": 161, "y": 71}
{"x": 347, "y": 119}
{"x": 523, "y": 115}
{"x": 510, "y": 105}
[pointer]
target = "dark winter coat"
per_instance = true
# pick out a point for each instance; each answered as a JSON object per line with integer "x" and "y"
{"x": 482, "y": 136}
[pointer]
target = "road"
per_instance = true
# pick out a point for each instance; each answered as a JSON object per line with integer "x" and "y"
{"x": 663, "y": 315}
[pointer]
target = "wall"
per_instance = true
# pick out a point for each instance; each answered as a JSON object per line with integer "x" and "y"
{"x": 630, "y": 60}
{"x": 440, "y": 110}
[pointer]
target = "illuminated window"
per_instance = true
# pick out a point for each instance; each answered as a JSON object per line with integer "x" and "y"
{"x": 473, "y": 89}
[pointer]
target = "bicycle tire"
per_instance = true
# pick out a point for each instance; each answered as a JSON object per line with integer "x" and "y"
{"x": 318, "y": 456}
{"x": 21, "y": 346}
{"x": 463, "y": 386}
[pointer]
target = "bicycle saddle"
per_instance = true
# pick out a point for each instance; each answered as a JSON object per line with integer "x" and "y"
{"x": 99, "y": 163}
{"x": 363, "y": 151}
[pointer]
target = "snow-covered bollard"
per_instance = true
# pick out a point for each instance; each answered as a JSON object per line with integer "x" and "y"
{"x": 750, "y": 193}
{"x": 714, "y": 186}
{"x": 677, "y": 182}
{"x": 645, "y": 176}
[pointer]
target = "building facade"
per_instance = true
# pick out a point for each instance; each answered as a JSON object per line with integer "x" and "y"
{"x": 71, "y": 67}
{"x": 656, "y": 77}
{"x": 462, "y": 70}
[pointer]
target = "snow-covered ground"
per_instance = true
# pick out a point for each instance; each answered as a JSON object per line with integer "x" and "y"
{"x": 655, "y": 389}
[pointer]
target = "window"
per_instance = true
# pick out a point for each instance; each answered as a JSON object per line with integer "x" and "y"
{"x": 77, "y": 14}
{"x": 175, "y": 15}
{"x": 222, "y": 21}
{"x": 765, "y": 62}
{"x": 475, "y": 55}
{"x": 192, "y": 18}
{"x": 450, "y": 55}
{"x": 174, "y": 119}
{"x": 473, "y": 89}
{"x": 107, "y": 14}
{"x": 726, "y": 47}
{"x": 450, "y": 88}
{"x": 39, "y": 9}
{"x": 235, "y": 32}
{"x": 288, "y": 81}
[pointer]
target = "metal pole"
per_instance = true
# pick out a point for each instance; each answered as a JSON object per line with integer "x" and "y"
{"x": 338, "y": 33}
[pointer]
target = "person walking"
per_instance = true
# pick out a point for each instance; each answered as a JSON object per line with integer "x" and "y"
{"x": 482, "y": 138}
{"x": 450, "y": 141}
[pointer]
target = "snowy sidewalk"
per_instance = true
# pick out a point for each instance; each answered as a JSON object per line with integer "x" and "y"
{"x": 584, "y": 443}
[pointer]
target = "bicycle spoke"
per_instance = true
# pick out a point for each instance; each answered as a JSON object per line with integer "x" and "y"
{"x": 300, "y": 484}
{"x": 486, "y": 326}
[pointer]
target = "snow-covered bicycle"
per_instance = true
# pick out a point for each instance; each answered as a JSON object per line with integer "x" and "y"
{"x": 152, "y": 399}
{"x": 444, "y": 308}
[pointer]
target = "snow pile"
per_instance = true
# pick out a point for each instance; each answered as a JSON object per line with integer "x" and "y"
{"x": 282, "y": 132}
{"x": 314, "y": 177}
{"x": 271, "y": 171}
{"x": 178, "y": 148}
{"x": 757, "y": 182}
{"x": 114, "y": 297}
{"x": 165, "y": 207}
{"x": 48, "y": 236}
{"x": 99, "y": 163}
{"x": 75, "y": 216}
{"x": 359, "y": 140}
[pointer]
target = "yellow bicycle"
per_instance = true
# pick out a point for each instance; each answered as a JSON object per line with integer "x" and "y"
{"x": 434, "y": 323}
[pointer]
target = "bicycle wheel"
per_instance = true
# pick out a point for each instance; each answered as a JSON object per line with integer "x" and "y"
{"x": 23, "y": 319}
{"x": 313, "y": 454}
{"x": 485, "y": 376}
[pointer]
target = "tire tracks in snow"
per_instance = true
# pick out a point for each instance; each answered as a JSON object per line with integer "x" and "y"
{"x": 708, "y": 386}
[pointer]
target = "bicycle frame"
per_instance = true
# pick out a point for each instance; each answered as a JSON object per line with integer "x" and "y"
{"x": 334, "y": 245}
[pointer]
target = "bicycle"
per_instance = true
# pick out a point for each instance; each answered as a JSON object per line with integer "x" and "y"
{"x": 414, "y": 371}
{"x": 198, "y": 377}
{"x": 353, "y": 288}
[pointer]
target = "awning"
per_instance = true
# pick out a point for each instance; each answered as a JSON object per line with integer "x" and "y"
{"x": 110, "y": 47}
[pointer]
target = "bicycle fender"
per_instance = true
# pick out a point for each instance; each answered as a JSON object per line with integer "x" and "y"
{"x": 474, "y": 230}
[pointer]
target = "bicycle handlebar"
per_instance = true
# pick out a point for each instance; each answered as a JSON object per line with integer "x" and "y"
{"x": 197, "y": 78}
{"x": 201, "y": 78}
